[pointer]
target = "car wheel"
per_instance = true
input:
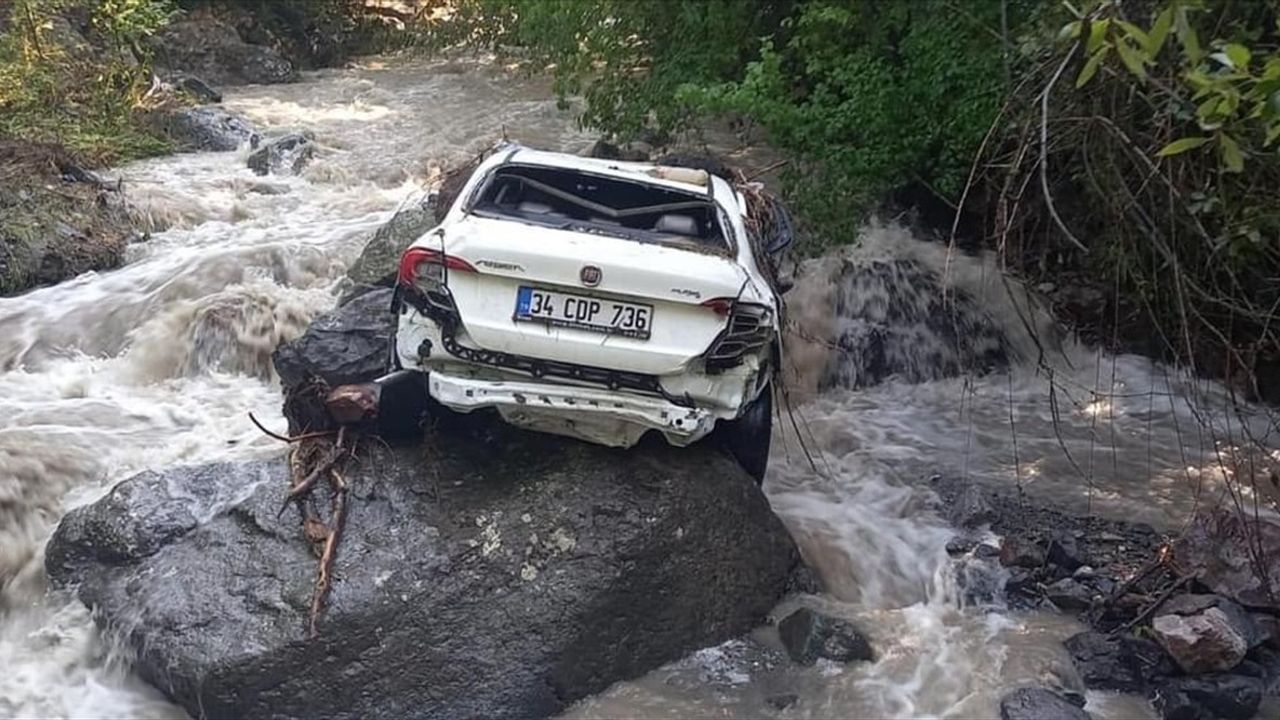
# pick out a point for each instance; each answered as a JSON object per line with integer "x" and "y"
{"x": 747, "y": 438}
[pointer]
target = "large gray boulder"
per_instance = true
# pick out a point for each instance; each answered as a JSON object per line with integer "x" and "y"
{"x": 378, "y": 263}
{"x": 346, "y": 345}
{"x": 1205, "y": 642}
{"x": 211, "y": 49}
{"x": 205, "y": 128}
{"x": 498, "y": 575}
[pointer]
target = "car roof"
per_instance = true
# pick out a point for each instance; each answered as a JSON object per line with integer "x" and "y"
{"x": 676, "y": 178}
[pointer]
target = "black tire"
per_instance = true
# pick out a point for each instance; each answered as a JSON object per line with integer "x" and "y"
{"x": 747, "y": 438}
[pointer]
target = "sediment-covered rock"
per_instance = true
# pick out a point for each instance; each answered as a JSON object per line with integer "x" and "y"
{"x": 57, "y": 220}
{"x": 499, "y": 575}
{"x": 211, "y": 49}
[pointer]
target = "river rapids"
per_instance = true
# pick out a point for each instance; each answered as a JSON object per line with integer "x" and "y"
{"x": 160, "y": 361}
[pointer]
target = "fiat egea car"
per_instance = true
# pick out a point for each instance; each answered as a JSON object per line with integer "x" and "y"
{"x": 596, "y": 299}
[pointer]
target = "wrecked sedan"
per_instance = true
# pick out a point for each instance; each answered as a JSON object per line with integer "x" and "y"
{"x": 596, "y": 299}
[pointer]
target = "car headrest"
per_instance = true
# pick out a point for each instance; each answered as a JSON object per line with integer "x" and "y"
{"x": 677, "y": 225}
{"x": 535, "y": 208}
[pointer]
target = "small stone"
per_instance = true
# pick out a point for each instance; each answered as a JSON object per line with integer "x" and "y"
{"x": 1039, "y": 704}
{"x": 1202, "y": 643}
{"x": 1065, "y": 552}
{"x": 986, "y": 552}
{"x": 970, "y": 509}
{"x": 1229, "y": 697}
{"x": 782, "y": 701}
{"x": 1069, "y": 594}
{"x": 284, "y": 155}
{"x": 960, "y": 545}
{"x": 1084, "y": 571}
{"x": 1104, "y": 663}
{"x": 808, "y": 635}
{"x": 1016, "y": 551}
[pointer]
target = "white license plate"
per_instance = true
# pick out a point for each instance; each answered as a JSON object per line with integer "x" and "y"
{"x": 560, "y": 309}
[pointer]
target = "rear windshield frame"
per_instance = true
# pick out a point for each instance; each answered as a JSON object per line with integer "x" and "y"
{"x": 720, "y": 241}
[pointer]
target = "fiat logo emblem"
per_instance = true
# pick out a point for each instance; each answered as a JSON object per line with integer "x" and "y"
{"x": 590, "y": 275}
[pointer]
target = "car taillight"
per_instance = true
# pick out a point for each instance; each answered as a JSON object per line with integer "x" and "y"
{"x": 720, "y": 306}
{"x": 749, "y": 329}
{"x": 425, "y": 266}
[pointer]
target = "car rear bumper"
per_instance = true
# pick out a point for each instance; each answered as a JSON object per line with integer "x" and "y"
{"x": 601, "y": 416}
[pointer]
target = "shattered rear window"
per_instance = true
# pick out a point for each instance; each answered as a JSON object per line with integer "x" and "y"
{"x": 582, "y": 202}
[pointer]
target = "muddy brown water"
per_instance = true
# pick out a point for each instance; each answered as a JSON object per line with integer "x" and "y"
{"x": 159, "y": 361}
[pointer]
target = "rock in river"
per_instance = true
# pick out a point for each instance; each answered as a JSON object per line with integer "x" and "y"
{"x": 209, "y": 48}
{"x": 808, "y": 635}
{"x": 1039, "y": 704}
{"x": 499, "y": 575}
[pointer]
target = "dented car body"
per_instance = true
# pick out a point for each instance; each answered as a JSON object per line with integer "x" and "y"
{"x": 592, "y": 298}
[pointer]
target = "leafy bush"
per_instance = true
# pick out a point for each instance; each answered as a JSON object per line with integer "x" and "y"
{"x": 55, "y": 87}
{"x": 869, "y": 95}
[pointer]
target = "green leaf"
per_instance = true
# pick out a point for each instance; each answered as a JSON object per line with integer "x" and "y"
{"x": 1273, "y": 133}
{"x": 1239, "y": 55}
{"x": 1070, "y": 31}
{"x": 1177, "y": 147}
{"x": 1140, "y": 37}
{"x": 1131, "y": 59}
{"x": 1231, "y": 156}
{"x": 1187, "y": 36}
{"x": 1091, "y": 66}
{"x": 1097, "y": 35}
{"x": 1160, "y": 30}
{"x": 1207, "y": 108}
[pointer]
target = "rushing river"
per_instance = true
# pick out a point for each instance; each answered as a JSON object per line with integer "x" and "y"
{"x": 160, "y": 361}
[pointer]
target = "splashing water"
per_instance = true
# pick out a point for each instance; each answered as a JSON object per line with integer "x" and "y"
{"x": 158, "y": 362}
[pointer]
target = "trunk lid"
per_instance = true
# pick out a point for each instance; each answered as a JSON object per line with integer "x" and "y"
{"x": 508, "y": 255}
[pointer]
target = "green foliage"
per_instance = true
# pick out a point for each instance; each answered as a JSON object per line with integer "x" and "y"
{"x": 868, "y": 95}
{"x": 872, "y": 97}
{"x": 56, "y": 86}
{"x": 1236, "y": 95}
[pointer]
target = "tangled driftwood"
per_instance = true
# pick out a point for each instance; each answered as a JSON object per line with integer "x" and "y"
{"x": 331, "y": 423}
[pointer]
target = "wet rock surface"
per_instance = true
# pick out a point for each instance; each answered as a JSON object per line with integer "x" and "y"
{"x": 380, "y": 259}
{"x": 212, "y": 49}
{"x": 287, "y": 155}
{"x": 205, "y": 128}
{"x": 808, "y": 635}
{"x": 57, "y": 220}
{"x": 1179, "y": 639}
{"x": 346, "y": 345}
{"x": 1041, "y": 704}
{"x": 501, "y": 574}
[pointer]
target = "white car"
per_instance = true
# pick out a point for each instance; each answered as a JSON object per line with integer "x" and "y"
{"x": 596, "y": 299}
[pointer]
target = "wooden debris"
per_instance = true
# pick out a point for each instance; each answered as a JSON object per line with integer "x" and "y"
{"x": 321, "y": 451}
